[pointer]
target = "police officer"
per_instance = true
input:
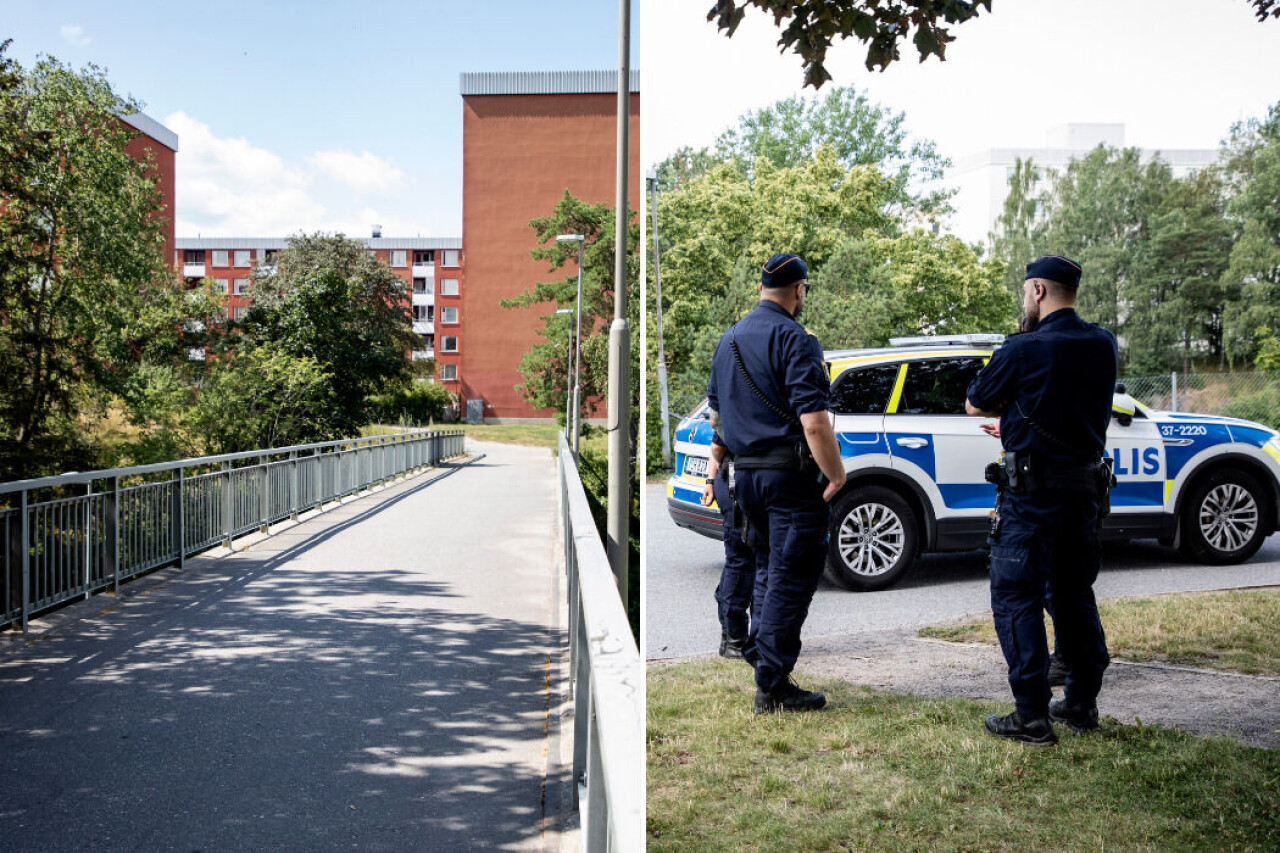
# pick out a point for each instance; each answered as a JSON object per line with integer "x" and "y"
{"x": 769, "y": 398}
{"x": 1051, "y": 387}
{"x": 737, "y": 578}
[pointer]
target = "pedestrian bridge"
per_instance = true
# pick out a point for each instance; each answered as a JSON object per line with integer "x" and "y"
{"x": 375, "y": 654}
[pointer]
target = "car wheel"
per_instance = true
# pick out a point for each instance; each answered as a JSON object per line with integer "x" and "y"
{"x": 1223, "y": 519}
{"x": 874, "y": 539}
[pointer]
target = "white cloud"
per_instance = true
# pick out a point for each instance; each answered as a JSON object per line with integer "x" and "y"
{"x": 232, "y": 188}
{"x": 74, "y": 34}
{"x": 229, "y": 187}
{"x": 363, "y": 172}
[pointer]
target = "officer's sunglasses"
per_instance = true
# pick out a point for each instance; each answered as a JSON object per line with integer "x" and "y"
{"x": 805, "y": 285}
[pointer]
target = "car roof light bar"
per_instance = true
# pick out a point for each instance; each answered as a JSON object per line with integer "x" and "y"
{"x": 948, "y": 341}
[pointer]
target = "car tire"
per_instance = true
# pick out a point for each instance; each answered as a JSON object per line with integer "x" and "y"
{"x": 1224, "y": 518}
{"x": 874, "y": 538}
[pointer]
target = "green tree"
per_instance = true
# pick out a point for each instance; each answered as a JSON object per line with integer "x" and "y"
{"x": 1018, "y": 233}
{"x": 1253, "y": 269}
{"x": 85, "y": 297}
{"x": 1102, "y": 212}
{"x": 545, "y": 367}
{"x": 878, "y": 287}
{"x": 263, "y": 397}
{"x": 791, "y": 132}
{"x": 810, "y": 26}
{"x": 330, "y": 300}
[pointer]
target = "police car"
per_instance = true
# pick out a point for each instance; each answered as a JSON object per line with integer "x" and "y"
{"x": 915, "y": 464}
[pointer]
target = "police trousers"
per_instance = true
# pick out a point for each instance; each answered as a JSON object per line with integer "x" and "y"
{"x": 1048, "y": 540}
{"x": 737, "y": 578}
{"x": 788, "y": 522}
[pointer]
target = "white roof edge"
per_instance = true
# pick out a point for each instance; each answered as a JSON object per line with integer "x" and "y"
{"x": 283, "y": 242}
{"x": 544, "y": 82}
{"x": 152, "y": 128}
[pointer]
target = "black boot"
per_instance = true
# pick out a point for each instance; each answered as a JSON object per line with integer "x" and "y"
{"x": 730, "y": 646}
{"x": 1079, "y": 717}
{"x": 1057, "y": 670}
{"x": 1033, "y": 731}
{"x": 788, "y": 696}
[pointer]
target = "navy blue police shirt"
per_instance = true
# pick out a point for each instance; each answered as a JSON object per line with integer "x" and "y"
{"x": 1061, "y": 375}
{"x": 786, "y": 364}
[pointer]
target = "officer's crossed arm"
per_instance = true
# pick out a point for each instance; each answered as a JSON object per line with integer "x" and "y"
{"x": 821, "y": 438}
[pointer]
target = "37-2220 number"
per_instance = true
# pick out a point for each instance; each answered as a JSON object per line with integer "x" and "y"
{"x": 1183, "y": 430}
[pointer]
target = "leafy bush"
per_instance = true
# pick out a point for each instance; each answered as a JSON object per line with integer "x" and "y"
{"x": 1261, "y": 406}
{"x": 421, "y": 403}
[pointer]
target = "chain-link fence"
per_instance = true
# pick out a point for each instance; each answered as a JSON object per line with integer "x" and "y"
{"x": 1254, "y": 396}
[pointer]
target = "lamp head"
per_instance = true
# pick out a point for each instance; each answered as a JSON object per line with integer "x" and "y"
{"x": 569, "y": 238}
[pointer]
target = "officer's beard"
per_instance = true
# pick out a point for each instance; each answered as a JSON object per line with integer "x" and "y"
{"x": 1030, "y": 316}
{"x": 795, "y": 315}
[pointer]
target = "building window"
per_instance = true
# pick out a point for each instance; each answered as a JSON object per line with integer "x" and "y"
{"x": 448, "y": 287}
{"x": 420, "y": 286}
{"x": 398, "y": 257}
{"x": 449, "y": 343}
{"x": 450, "y": 258}
{"x": 242, "y": 257}
{"x": 193, "y": 256}
{"x": 238, "y": 312}
{"x": 448, "y": 372}
{"x": 240, "y": 285}
{"x": 448, "y": 315}
{"x": 220, "y": 285}
{"x": 427, "y": 257}
{"x": 220, "y": 258}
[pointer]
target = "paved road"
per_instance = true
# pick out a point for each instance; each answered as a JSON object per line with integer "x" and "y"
{"x": 682, "y": 569}
{"x": 376, "y": 678}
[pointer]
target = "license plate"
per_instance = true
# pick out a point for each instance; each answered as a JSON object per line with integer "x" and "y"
{"x": 695, "y": 466}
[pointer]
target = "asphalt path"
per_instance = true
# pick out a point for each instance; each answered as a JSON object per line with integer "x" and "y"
{"x": 682, "y": 569}
{"x": 378, "y": 677}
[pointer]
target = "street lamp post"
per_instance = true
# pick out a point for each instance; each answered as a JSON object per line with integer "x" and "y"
{"x": 577, "y": 349}
{"x": 568, "y": 378}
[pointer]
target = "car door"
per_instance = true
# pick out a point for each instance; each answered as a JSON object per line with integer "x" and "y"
{"x": 931, "y": 438}
{"x": 859, "y": 397}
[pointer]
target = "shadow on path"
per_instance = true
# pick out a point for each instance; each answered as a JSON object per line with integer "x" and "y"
{"x": 282, "y": 701}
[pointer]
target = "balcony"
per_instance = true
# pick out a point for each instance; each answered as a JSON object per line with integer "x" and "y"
{"x": 424, "y": 270}
{"x": 427, "y": 298}
{"x": 423, "y": 354}
{"x": 193, "y": 270}
{"x": 424, "y": 327}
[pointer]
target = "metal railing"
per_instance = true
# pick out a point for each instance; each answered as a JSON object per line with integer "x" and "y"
{"x": 57, "y": 546}
{"x": 606, "y": 680}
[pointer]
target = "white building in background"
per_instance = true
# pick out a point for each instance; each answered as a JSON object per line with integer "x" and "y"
{"x": 982, "y": 179}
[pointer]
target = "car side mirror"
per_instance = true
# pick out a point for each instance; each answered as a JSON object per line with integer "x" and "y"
{"x": 1124, "y": 419}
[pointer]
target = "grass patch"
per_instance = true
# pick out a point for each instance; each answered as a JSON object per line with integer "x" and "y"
{"x": 529, "y": 435}
{"x": 1234, "y": 631}
{"x": 898, "y": 772}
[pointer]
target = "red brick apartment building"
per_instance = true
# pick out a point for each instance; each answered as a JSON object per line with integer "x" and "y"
{"x": 527, "y": 137}
{"x": 430, "y": 268}
{"x": 161, "y": 143}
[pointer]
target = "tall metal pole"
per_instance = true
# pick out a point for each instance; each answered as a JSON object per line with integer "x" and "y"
{"x": 665, "y": 408}
{"x": 619, "y": 334}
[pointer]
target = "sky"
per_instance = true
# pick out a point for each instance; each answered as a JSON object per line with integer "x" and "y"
{"x": 1176, "y": 73}
{"x": 321, "y": 115}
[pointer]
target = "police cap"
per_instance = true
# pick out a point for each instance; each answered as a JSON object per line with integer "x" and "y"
{"x": 783, "y": 269}
{"x": 1055, "y": 268}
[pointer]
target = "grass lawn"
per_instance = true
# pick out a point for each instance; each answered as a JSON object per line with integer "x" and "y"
{"x": 1234, "y": 630}
{"x": 884, "y": 771}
